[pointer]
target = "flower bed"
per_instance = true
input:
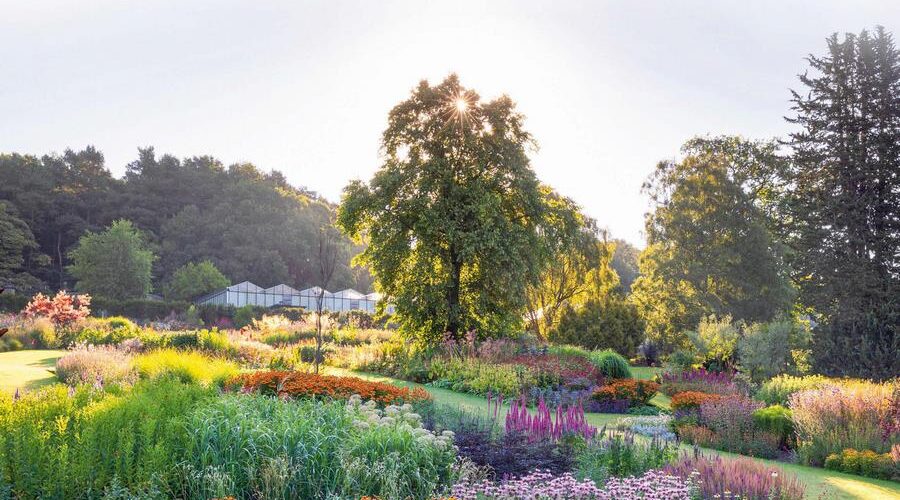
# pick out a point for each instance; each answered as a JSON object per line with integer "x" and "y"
{"x": 539, "y": 484}
{"x": 699, "y": 380}
{"x": 303, "y": 385}
{"x": 624, "y": 394}
{"x": 737, "y": 478}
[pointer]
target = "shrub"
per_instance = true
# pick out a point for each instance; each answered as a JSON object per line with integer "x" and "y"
{"x": 769, "y": 349}
{"x": 103, "y": 365}
{"x": 715, "y": 341}
{"x": 35, "y": 333}
{"x": 244, "y": 316}
{"x": 738, "y": 478}
{"x": 63, "y": 309}
{"x": 866, "y": 463}
{"x": 102, "y": 331}
{"x": 185, "y": 366}
{"x": 63, "y": 442}
{"x": 691, "y": 400}
{"x": 731, "y": 419}
{"x": 698, "y": 380}
{"x": 610, "y": 322}
{"x": 658, "y": 426}
{"x": 305, "y": 385}
{"x": 778, "y": 390}
{"x": 635, "y": 392}
{"x": 253, "y": 446}
{"x": 839, "y": 416}
{"x": 611, "y": 364}
{"x": 476, "y": 377}
{"x": 414, "y": 462}
{"x": 621, "y": 456}
{"x": 777, "y": 420}
{"x": 214, "y": 342}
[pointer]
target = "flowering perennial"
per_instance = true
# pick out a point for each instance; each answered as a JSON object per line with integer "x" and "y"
{"x": 403, "y": 418}
{"x": 543, "y": 485}
{"x": 542, "y": 425}
{"x": 296, "y": 384}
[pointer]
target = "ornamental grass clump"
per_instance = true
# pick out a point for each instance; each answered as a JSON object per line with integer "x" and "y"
{"x": 742, "y": 478}
{"x": 547, "y": 425}
{"x": 840, "y": 416}
{"x": 307, "y": 385}
{"x": 95, "y": 364}
{"x": 778, "y": 390}
{"x": 621, "y": 455}
{"x": 187, "y": 366}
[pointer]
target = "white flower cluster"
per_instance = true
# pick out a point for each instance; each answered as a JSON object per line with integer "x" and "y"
{"x": 368, "y": 416}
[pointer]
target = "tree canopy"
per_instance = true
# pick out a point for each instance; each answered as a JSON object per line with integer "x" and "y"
{"x": 251, "y": 225}
{"x": 710, "y": 245}
{"x": 114, "y": 264}
{"x": 842, "y": 204}
{"x": 454, "y": 218}
{"x": 193, "y": 280}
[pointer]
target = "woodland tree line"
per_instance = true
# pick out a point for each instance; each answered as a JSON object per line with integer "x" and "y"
{"x": 457, "y": 230}
{"x": 250, "y": 225}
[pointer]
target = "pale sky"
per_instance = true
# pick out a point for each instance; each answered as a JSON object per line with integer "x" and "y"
{"x": 304, "y": 87}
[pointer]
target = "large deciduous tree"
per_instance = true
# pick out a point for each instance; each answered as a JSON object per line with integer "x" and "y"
{"x": 113, "y": 264}
{"x": 454, "y": 216}
{"x": 710, "y": 244}
{"x": 843, "y": 205}
{"x": 193, "y": 280}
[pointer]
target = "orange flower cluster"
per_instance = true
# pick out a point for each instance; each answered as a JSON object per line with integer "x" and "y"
{"x": 299, "y": 385}
{"x": 692, "y": 399}
{"x": 636, "y": 392}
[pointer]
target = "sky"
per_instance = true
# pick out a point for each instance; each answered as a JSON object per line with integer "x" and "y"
{"x": 609, "y": 88}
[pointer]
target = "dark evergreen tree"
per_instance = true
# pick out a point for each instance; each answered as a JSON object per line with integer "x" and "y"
{"x": 843, "y": 203}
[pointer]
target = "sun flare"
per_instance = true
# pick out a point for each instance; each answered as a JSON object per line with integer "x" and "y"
{"x": 461, "y": 105}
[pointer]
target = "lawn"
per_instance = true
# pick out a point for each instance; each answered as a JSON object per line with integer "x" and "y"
{"x": 820, "y": 483}
{"x": 27, "y": 369}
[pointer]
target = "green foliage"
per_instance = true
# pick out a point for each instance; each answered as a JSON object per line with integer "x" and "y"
{"x": 244, "y": 316}
{"x": 777, "y": 390}
{"x": 214, "y": 341}
{"x": 841, "y": 206}
{"x": 777, "y": 420}
{"x": 623, "y": 456}
{"x": 769, "y": 349}
{"x": 710, "y": 246}
{"x": 113, "y": 264}
{"x": 611, "y": 364}
{"x": 138, "y": 436}
{"x": 478, "y": 377}
{"x": 451, "y": 218}
{"x": 252, "y": 225}
{"x": 193, "y": 280}
{"x": 866, "y": 463}
{"x": 188, "y": 367}
{"x": 54, "y": 444}
{"x": 715, "y": 342}
{"x": 19, "y": 253}
{"x": 254, "y": 446}
{"x": 607, "y": 323}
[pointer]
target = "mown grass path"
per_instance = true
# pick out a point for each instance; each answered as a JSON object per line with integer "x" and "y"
{"x": 820, "y": 483}
{"x": 27, "y": 370}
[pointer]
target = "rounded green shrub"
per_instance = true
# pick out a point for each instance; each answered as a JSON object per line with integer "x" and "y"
{"x": 611, "y": 364}
{"x": 775, "y": 419}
